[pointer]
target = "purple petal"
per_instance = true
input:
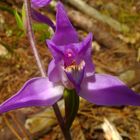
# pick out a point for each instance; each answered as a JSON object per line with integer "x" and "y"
{"x": 84, "y": 53}
{"x": 54, "y": 72}
{"x": 85, "y": 45}
{"x": 57, "y": 51}
{"x": 62, "y": 52}
{"x": 35, "y": 92}
{"x": 40, "y": 3}
{"x": 107, "y": 90}
{"x": 65, "y": 33}
{"x": 41, "y": 18}
{"x": 74, "y": 52}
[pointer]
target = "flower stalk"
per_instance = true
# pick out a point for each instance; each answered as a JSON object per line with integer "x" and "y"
{"x": 31, "y": 37}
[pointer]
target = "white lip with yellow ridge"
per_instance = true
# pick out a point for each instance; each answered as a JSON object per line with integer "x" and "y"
{"x": 75, "y": 73}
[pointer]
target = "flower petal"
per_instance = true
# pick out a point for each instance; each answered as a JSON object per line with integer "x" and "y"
{"x": 85, "y": 45}
{"x": 65, "y": 33}
{"x": 107, "y": 90}
{"x": 54, "y": 72}
{"x": 84, "y": 53}
{"x": 35, "y": 92}
{"x": 40, "y": 3}
{"x": 57, "y": 51}
{"x": 41, "y": 18}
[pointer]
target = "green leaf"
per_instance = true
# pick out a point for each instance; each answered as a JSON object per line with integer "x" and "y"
{"x": 71, "y": 106}
{"x": 40, "y": 27}
{"x": 18, "y": 20}
{"x": 23, "y": 14}
{"x": 7, "y": 8}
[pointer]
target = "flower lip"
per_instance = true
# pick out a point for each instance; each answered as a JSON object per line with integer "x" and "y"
{"x": 75, "y": 73}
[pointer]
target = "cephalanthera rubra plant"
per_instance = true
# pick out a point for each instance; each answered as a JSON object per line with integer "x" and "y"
{"x": 71, "y": 73}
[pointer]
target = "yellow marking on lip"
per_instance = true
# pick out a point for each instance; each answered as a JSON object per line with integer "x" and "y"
{"x": 75, "y": 67}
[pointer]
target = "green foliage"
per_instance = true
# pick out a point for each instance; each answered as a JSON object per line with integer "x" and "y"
{"x": 23, "y": 13}
{"x": 8, "y": 9}
{"x": 41, "y": 29}
{"x": 20, "y": 16}
{"x": 19, "y": 20}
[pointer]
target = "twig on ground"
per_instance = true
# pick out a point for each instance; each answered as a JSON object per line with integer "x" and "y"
{"x": 110, "y": 131}
{"x": 92, "y": 12}
{"x": 101, "y": 34}
{"x": 19, "y": 125}
{"x": 11, "y": 128}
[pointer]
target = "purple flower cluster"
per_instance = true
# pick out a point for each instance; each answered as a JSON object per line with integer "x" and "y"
{"x": 71, "y": 68}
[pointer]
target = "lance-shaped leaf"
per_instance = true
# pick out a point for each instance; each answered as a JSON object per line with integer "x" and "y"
{"x": 18, "y": 20}
{"x": 35, "y": 92}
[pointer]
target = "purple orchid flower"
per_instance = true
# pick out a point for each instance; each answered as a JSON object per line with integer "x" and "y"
{"x": 71, "y": 68}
